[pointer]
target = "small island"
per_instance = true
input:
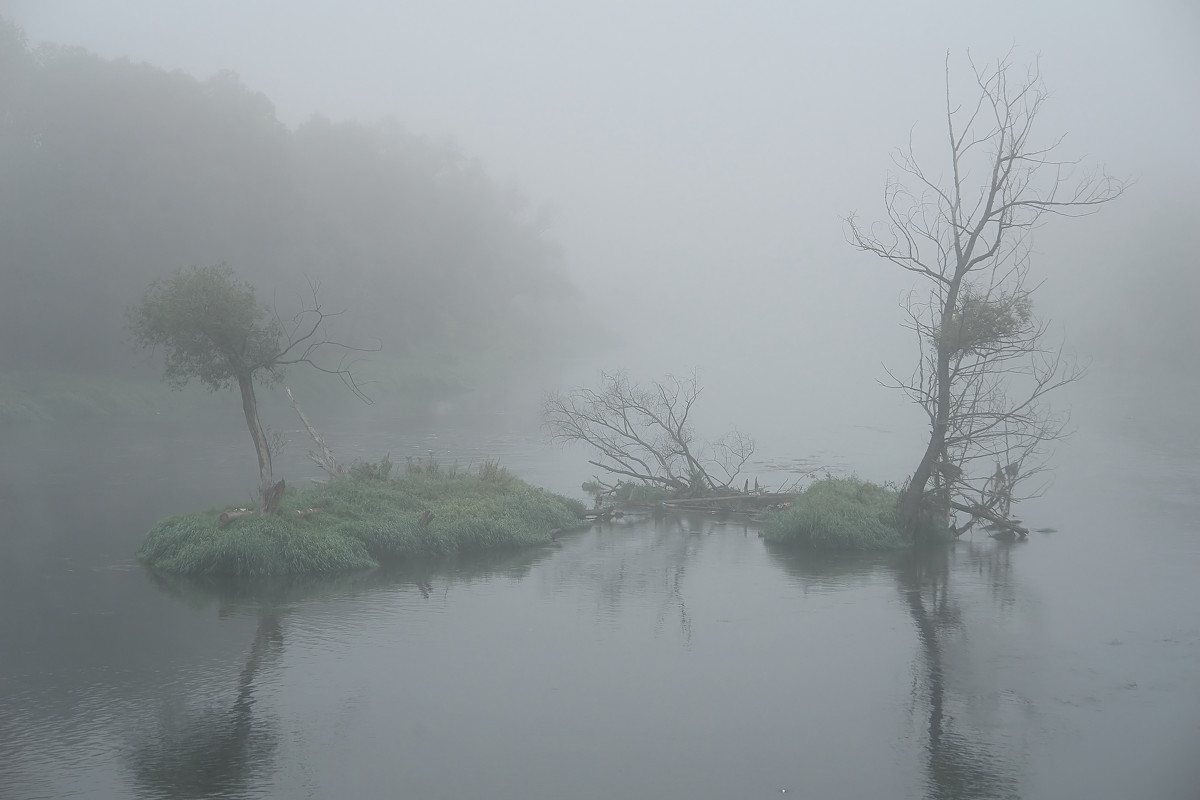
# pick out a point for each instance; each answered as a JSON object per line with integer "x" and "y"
{"x": 363, "y": 520}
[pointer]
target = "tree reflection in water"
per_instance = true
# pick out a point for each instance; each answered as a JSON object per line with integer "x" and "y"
{"x": 218, "y": 751}
{"x": 221, "y": 751}
{"x": 960, "y": 763}
{"x": 620, "y": 569}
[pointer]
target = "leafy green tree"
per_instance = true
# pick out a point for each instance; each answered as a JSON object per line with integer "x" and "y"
{"x": 212, "y": 329}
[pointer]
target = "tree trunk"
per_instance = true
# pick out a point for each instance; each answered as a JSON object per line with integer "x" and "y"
{"x": 261, "y": 448}
{"x": 912, "y": 505}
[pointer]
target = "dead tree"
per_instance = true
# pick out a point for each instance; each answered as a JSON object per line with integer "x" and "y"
{"x": 985, "y": 364}
{"x": 325, "y": 459}
{"x": 645, "y": 434}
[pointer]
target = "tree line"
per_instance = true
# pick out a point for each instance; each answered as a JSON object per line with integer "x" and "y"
{"x": 114, "y": 174}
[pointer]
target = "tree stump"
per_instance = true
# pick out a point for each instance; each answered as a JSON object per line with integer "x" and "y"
{"x": 271, "y": 497}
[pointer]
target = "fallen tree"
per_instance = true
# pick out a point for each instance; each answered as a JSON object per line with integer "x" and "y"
{"x": 644, "y": 434}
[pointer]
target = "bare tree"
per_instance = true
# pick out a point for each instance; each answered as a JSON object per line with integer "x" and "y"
{"x": 985, "y": 365}
{"x": 645, "y": 434}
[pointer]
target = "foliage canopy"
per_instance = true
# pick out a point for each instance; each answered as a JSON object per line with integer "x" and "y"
{"x": 211, "y": 327}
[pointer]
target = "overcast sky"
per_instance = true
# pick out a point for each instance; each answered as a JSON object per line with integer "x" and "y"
{"x": 699, "y": 157}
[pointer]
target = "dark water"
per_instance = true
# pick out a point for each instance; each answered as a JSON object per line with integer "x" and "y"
{"x": 673, "y": 659}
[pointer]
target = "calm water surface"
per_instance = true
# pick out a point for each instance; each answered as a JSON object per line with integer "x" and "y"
{"x": 678, "y": 658}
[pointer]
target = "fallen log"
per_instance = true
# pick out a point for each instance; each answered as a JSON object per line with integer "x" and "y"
{"x": 229, "y": 516}
{"x": 982, "y": 512}
{"x": 738, "y": 503}
{"x": 603, "y": 515}
{"x": 759, "y": 497}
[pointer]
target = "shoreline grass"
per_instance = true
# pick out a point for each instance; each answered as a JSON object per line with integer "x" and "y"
{"x": 365, "y": 522}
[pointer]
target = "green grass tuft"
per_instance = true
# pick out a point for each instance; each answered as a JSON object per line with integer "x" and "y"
{"x": 839, "y": 514}
{"x": 363, "y": 523}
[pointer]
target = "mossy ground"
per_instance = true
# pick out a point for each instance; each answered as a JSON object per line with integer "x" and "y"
{"x": 840, "y": 514}
{"x": 364, "y": 522}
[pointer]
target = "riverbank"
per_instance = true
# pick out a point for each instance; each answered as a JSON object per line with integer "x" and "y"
{"x": 415, "y": 379}
{"x": 28, "y": 396}
{"x": 363, "y": 522}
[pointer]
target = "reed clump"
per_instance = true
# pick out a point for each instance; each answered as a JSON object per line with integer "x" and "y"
{"x": 840, "y": 514}
{"x": 365, "y": 521}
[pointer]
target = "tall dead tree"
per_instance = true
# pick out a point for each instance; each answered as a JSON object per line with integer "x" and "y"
{"x": 645, "y": 434}
{"x": 985, "y": 364}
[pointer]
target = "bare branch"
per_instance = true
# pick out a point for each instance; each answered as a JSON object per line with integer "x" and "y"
{"x": 645, "y": 433}
{"x": 305, "y": 338}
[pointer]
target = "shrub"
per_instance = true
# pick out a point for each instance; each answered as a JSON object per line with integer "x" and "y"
{"x": 576, "y": 507}
{"x": 839, "y": 514}
{"x": 372, "y": 470}
{"x": 429, "y": 465}
{"x": 490, "y": 471}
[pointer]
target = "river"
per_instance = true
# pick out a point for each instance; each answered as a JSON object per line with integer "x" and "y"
{"x": 678, "y": 658}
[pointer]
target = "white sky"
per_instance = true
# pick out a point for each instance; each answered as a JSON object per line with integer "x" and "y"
{"x": 699, "y": 156}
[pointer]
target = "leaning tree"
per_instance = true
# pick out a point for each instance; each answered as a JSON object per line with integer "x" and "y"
{"x": 986, "y": 364}
{"x": 213, "y": 329}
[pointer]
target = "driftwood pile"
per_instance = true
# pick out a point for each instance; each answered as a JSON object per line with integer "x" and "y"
{"x": 736, "y": 503}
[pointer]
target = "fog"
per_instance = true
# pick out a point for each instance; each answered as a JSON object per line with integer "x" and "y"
{"x": 695, "y": 162}
{"x": 512, "y": 196}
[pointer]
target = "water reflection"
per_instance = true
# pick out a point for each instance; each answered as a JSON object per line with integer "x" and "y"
{"x": 216, "y": 751}
{"x": 622, "y": 567}
{"x": 285, "y": 592}
{"x": 671, "y": 659}
{"x": 817, "y": 571}
{"x": 205, "y": 742}
{"x": 960, "y": 761}
{"x": 955, "y": 701}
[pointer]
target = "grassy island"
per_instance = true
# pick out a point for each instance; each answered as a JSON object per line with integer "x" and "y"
{"x": 364, "y": 521}
{"x": 840, "y": 514}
